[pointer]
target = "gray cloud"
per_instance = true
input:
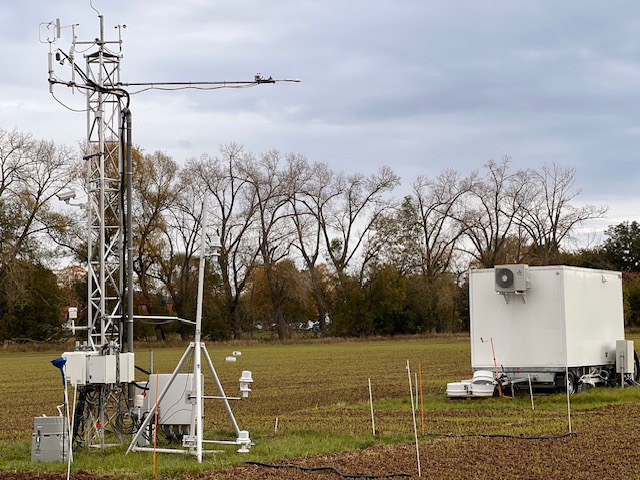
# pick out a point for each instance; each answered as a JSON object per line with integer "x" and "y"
{"x": 413, "y": 84}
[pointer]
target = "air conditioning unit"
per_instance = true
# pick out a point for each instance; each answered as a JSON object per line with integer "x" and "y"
{"x": 511, "y": 278}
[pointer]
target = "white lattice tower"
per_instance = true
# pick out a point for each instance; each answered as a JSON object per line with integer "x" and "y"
{"x": 105, "y": 201}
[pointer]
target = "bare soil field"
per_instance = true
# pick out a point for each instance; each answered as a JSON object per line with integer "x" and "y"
{"x": 607, "y": 446}
{"x": 319, "y": 394}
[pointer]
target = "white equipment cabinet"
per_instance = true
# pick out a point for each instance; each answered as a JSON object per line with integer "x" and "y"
{"x": 90, "y": 368}
{"x": 557, "y": 317}
{"x": 177, "y": 405}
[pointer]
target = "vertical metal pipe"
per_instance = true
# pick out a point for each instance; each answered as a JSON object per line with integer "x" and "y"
{"x": 203, "y": 241}
{"x": 566, "y": 382}
{"x": 421, "y": 397}
{"x": 129, "y": 242}
{"x": 122, "y": 241}
{"x": 197, "y": 363}
{"x": 130, "y": 292}
{"x": 101, "y": 188}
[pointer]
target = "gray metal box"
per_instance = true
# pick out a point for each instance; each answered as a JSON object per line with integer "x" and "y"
{"x": 625, "y": 362}
{"x": 49, "y": 441}
{"x": 126, "y": 368}
{"x": 176, "y": 406}
{"x": 101, "y": 369}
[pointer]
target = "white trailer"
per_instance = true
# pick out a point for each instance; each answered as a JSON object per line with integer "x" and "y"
{"x": 544, "y": 321}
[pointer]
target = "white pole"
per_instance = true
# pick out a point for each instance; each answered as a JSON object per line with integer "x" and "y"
{"x": 413, "y": 413}
{"x": 275, "y": 429}
{"x": 531, "y": 391}
{"x": 568, "y": 401}
{"x": 197, "y": 370}
{"x": 70, "y": 432}
{"x": 73, "y": 419}
{"x": 373, "y": 422}
{"x": 66, "y": 406}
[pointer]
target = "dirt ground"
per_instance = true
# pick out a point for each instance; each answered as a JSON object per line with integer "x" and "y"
{"x": 607, "y": 447}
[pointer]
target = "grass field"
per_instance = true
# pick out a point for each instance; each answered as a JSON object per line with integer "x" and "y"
{"x": 319, "y": 392}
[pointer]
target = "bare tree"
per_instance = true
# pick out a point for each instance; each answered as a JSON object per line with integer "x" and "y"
{"x": 32, "y": 172}
{"x": 234, "y": 207}
{"x": 175, "y": 266}
{"x": 314, "y": 189}
{"x": 489, "y": 218}
{"x": 270, "y": 185}
{"x": 349, "y": 219}
{"x": 550, "y": 215}
{"x": 438, "y": 203}
{"x": 156, "y": 190}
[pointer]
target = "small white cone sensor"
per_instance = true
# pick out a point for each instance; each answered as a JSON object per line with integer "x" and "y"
{"x": 245, "y": 383}
{"x": 230, "y": 359}
{"x": 244, "y": 441}
{"x": 236, "y": 354}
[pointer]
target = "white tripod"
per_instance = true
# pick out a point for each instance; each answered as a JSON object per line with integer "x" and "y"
{"x": 193, "y": 442}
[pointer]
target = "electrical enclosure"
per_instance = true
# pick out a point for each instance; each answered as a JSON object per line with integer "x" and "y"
{"x": 84, "y": 368}
{"x": 126, "y": 367}
{"x": 568, "y": 317}
{"x": 76, "y": 367}
{"x": 624, "y": 356}
{"x": 49, "y": 441}
{"x": 175, "y": 408}
{"x": 101, "y": 369}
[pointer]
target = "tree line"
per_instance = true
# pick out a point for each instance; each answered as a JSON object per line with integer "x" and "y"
{"x": 301, "y": 243}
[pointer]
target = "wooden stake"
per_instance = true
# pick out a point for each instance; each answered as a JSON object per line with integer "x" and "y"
{"x": 421, "y": 397}
{"x": 495, "y": 365}
{"x": 373, "y": 422}
{"x": 413, "y": 413}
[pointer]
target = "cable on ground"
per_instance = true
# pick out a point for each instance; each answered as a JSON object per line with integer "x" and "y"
{"x": 500, "y": 435}
{"x": 330, "y": 469}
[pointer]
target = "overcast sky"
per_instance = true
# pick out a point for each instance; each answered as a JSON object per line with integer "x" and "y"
{"x": 414, "y": 84}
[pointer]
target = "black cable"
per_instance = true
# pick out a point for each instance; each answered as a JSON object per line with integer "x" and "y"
{"x": 119, "y": 92}
{"x": 331, "y": 469}
{"x": 140, "y": 369}
{"x": 402, "y": 474}
{"x": 499, "y": 435}
{"x": 156, "y": 322}
{"x": 141, "y": 387}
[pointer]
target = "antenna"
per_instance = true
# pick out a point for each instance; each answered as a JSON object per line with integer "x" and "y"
{"x": 94, "y": 8}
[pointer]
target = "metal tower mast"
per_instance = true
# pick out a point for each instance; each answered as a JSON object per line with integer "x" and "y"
{"x": 103, "y": 373}
{"x": 108, "y": 207}
{"x": 105, "y": 241}
{"x": 104, "y": 392}
{"x": 106, "y": 109}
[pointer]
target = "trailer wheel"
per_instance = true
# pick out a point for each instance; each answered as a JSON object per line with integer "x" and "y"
{"x": 561, "y": 383}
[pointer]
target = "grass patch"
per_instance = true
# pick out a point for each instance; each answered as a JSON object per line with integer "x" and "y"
{"x": 319, "y": 392}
